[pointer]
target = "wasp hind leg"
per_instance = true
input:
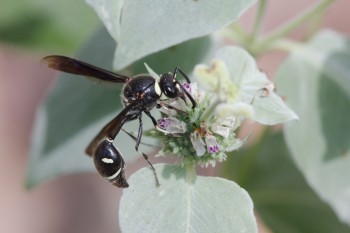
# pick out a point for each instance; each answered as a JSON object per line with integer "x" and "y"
{"x": 138, "y": 141}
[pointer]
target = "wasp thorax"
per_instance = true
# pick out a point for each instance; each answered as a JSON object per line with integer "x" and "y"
{"x": 110, "y": 164}
{"x": 169, "y": 86}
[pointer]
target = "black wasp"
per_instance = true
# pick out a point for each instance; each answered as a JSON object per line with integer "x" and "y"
{"x": 141, "y": 93}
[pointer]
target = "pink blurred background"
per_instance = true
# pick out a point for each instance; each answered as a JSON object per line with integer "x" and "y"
{"x": 84, "y": 202}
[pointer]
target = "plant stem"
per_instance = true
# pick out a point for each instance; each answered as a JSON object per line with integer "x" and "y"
{"x": 210, "y": 109}
{"x": 190, "y": 173}
{"x": 258, "y": 19}
{"x": 292, "y": 24}
{"x": 239, "y": 34}
{"x": 314, "y": 25}
{"x": 286, "y": 45}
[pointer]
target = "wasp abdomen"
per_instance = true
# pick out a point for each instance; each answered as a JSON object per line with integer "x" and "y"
{"x": 110, "y": 164}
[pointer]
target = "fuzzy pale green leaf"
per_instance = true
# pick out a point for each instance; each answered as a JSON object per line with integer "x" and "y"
{"x": 152, "y": 72}
{"x": 110, "y": 14}
{"x": 209, "y": 204}
{"x": 281, "y": 196}
{"x": 315, "y": 80}
{"x": 152, "y": 25}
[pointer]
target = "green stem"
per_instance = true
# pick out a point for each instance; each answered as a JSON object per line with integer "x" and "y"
{"x": 239, "y": 34}
{"x": 259, "y": 19}
{"x": 190, "y": 173}
{"x": 210, "y": 109}
{"x": 292, "y": 24}
{"x": 286, "y": 45}
{"x": 314, "y": 25}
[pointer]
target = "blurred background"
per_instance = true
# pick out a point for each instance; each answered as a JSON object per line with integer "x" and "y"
{"x": 32, "y": 29}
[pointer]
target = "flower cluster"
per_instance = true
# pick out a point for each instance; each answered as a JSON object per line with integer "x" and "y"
{"x": 186, "y": 133}
{"x": 229, "y": 91}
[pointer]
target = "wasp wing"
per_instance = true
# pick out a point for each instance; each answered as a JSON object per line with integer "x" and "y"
{"x": 74, "y": 66}
{"x": 112, "y": 129}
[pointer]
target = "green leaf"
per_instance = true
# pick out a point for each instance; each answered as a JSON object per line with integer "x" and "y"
{"x": 110, "y": 13}
{"x": 150, "y": 26}
{"x": 46, "y": 24}
{"x": 281, "y": 196}
{"x": 316, "y": 79}
{"x": 77, "y": 109}
{"x": 185, "y": 55}
{"x": 184, "y": 203}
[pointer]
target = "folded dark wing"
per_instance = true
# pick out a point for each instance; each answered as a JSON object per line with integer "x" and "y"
{"x": 112, "y": 129}
{"x": 74, "y": 66}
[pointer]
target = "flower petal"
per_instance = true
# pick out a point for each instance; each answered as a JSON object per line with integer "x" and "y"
{"x": 197, "y": 143}
{"x": 197, "y": 94}
{"x": 212, "y": 145}
{"x": 211, "y": 78}
{"x": 271, "y": 110}
{"x": 237, "y": 110}
{"x": 221, "y": 130}
{"x": 172, "y": 125}
{"x": 228, "y": 121}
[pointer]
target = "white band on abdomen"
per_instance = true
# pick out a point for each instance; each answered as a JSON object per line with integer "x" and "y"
{"x": 114, "y": 175}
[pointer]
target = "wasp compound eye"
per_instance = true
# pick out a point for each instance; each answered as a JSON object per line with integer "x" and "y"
{"x": 171, "y": 91}
{"x": 169, "y": 86}
{"x": 110, "y": 164}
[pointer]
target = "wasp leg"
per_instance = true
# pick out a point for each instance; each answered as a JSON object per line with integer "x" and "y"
{"x": 178, "y": 70}
{"x": 132, "y": 136}
{"x": 154, "y": 121}
{"x": 160, "y": 129}
{"x": 162, "y": 104}
{"x": 138, "y": 140}
{"x": 153, "y": 169}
